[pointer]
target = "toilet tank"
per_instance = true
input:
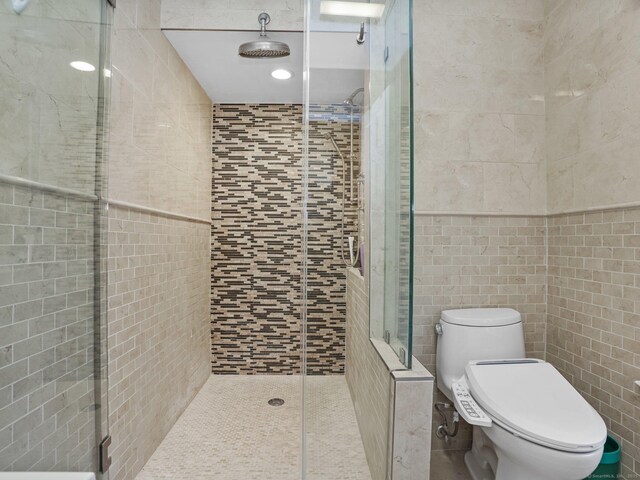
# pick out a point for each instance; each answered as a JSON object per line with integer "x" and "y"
{"x": 475, "y": 334}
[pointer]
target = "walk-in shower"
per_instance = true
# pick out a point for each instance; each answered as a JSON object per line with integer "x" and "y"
{"x": 218, "y": 261}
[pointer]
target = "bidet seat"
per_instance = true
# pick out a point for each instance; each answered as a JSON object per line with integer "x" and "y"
{"x": 532, "y": 400}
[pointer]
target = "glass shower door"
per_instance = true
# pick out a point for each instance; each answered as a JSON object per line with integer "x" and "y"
{"x": 357, "y": 232}
{"x": 52, "y": 277}
{"x": 391, "y": 182}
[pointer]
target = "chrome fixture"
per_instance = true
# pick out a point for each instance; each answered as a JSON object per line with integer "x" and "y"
{"x": 353, "y": 258}
{"x": 349, "y": 99}
{"x": 264, "y": 48}
{"x": 360, "y": 37}
{"x": 443, "y": 431}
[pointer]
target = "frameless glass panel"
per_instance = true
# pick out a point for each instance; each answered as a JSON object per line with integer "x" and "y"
{"x": 391, "y": 194}
{"x": 335, "y": 69}
{"x": 52, "y": 99}
{"x": 356, "y": 266}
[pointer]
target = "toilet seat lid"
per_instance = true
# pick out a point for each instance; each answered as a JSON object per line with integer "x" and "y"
{"x": 533, "y": 400}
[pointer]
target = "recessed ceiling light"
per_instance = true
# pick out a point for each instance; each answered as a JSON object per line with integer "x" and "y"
{"x": 82, "y": 66}
{"x": 352, "y": 9}
{"x": 281, "y": 74}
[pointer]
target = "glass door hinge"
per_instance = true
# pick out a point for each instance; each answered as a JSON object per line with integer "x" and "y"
{"x": 105, "y": 459}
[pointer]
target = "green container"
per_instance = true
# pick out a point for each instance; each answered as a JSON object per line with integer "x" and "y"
{"x": 610, "y": 464}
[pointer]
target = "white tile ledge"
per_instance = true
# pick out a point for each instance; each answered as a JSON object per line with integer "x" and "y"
{"x": 388, "y": 356}
{"x": 442, "y": 213}
{"x": 417, "y": 373}
{"x": 457, "y": 213}
{"x": 164, "y": 213}
{"x": 617, "y": 206}
{"x": 44, "y": 187}
{"x": 47, "y": 476}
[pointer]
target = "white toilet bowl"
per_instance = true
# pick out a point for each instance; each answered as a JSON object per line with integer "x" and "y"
{"x": 520, "y": 459}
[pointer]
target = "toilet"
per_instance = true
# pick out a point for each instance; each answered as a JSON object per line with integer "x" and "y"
{"x": 529, "y": 423}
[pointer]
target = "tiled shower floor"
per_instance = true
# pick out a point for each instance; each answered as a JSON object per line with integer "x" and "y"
{"x": 229, "y": 432}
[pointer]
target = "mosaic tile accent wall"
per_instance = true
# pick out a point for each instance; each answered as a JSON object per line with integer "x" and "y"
{"x": 158, "y": 329}
{"x": 257, "y": 240}
{"x": 47, "y": 398}
{"x": 593, "y": 333}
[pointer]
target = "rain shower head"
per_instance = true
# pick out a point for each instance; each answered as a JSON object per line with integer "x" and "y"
{"x": 264, "y": 48}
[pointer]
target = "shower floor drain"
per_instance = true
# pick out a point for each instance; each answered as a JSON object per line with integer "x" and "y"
{"x": 276, "y": 402}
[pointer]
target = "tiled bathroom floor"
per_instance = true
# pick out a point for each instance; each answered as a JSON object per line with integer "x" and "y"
{"x": 229, "y": 432}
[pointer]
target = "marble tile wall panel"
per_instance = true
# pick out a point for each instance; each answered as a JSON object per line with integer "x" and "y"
{"x": 47, "y": 398}
{"x": 479, "y": 107}
{"x": 412, "y": 410}
{"x": 592, "y": 71}
{"x": 232, "y": 14}
{"x": 48, "y": 110}
{"x": 160, "y": 132}
{"x": 256, "y": 240}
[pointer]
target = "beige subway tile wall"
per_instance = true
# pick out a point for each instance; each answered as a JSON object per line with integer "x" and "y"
{"x": 594, "y": 316}
{"x": 160, "y": 158}
{"x": 464, "y": 261}
{"x": 367, "y": 377}
{"x": 479, "y": 106}
{"x": 158, "y": 329}
{"x": 47, "y": 396}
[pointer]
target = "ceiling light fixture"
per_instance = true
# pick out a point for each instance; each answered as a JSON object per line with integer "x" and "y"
{"x": 281, "y": 74}
{"x": 352, "y": 9}
{"x": 82, "y": 66}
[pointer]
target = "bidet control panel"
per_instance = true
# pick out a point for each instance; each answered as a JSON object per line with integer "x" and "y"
{"x": 467, "y": 406}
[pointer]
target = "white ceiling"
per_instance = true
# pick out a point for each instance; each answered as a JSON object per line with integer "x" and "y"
{"x": 337, "y": 62}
